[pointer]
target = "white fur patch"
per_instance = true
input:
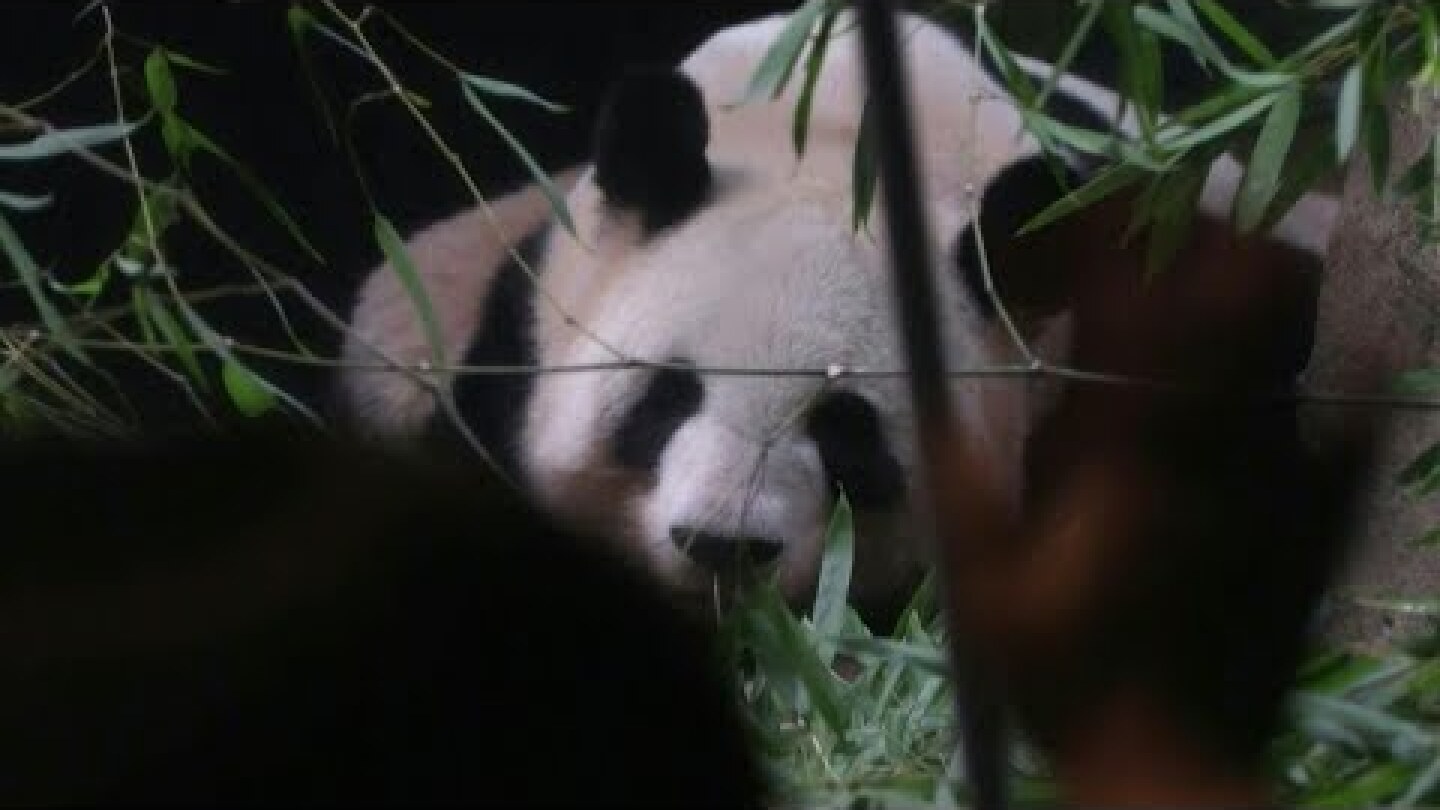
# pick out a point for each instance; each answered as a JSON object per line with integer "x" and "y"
{"x": 712, "y": 479}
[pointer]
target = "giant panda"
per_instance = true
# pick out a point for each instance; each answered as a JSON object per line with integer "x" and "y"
{"x": 704, "y": 247}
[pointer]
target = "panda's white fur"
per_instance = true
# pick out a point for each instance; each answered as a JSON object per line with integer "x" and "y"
{"x": 770, "y": 273}
{"x": 766, "y": 273}
{"x": 457, "y": 258}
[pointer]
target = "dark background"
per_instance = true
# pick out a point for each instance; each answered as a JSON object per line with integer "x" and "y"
{"x": 264, "y": 112}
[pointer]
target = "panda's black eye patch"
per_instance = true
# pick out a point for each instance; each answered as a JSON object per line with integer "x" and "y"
{"x": 672, "y": 396}
{"x": 846, "y": 429}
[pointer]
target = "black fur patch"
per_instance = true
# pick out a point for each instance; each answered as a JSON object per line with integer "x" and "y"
{"x": 1016, "y": 195}
{"x": 672, "y": 396}
{"x": 1296, "y": 356}
{"x": 492, "y": 404}
{"x": 649, "y": 146}
{"x": 852, "y": 447}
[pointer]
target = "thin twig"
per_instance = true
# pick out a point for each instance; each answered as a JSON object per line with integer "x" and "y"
{"x": 152, "y": 234}
{"x": 973, "y": 199}
{"x": 59, "y": 87}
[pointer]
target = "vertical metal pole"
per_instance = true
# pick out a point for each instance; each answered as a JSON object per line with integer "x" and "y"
{"x": 980, "y": 712}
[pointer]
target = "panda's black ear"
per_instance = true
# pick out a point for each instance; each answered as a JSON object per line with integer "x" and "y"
{"x": 1031, "y": 274}
{"x": 650, "y": 144}
{"x": 1088, "y": 254}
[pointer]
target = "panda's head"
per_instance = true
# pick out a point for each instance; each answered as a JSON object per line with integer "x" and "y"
{"x": 714, "y": 278}
{"x": 707, "y": 249}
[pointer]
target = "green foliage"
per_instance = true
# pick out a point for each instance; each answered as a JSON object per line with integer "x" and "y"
{"x": 25, "y": 267}
{"x": 170, "y": 331}
{"x": 158, "y": 319}
{"x": 1263, "y": 98}
{"x": 1361, "y": 730}
{"x": 399, "y": 262}
{"x": 776, "y": 66}
{"x": 471, "y": 90}
{"x": 845, "y": 715}
{"x": 842, "y": 715}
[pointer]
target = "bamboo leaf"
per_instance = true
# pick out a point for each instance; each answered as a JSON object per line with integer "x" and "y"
{"x": 1420, "y": 175}
{"x": 863, "y": 168}
{"x": 1168, "y": 26}
{"x": 400, "y": 264}
{"x": 1016, "y": 80}
{"x": 1416, "y": 607}
{"x": 835, "y": 569}
{"x": 927, "y": 658}
{"x": 1347, "y": 113}
{"x": 800, "y": 125}
{"x": 1430, "y": 33}
{"x": 815, "y": 675}
{"x": 1107, "y": 182}
{"x": 90, "y": 287}
{"x": 1267, "y": 160}
{"x": 246, "y": 390}
{"x": 1429, "y": 538}
{"x": 1418, "y": 381}
{"x": 1371, "y": 789}
{"x": 220, "y": 347}
{"x": 922, "y": 604}
{"x": 256, "y": 188}
{"x": 1140, "y": 67}
{"x": 773, "y": 72}
{"x": 1172, "y": 214}
{"x": 140, "y": 306}
{"x": 1089, "y": 141}
{"x": 175, "y": 133}
{"x": 1314, "y": 158}
{"x": 29, "y": 273}
{"x": 501, "y": 89}
{"x": 174, "y": 334}
{"x": 1422, "y": 467}
{"x": 547, "y": 187}
{"x": 1183, "y": 27}
{"x": 1072, "y": 47}
{"x": 160, "y": 82}
{"x": 24, "y": 202}
{"x": 1238, "y": 34}
{"x": 63, "y": 141}
{"x": 300, "y": 23}
{"x": 177, "y": 58}
{"x": 298, "y": 20}
{"x": 1222, "y": 125}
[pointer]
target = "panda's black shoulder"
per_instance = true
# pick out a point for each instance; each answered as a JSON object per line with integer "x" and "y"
{"x": 492, "y": 404}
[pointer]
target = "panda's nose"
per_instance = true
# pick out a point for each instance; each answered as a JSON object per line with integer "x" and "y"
{"x": 723, "y": 552}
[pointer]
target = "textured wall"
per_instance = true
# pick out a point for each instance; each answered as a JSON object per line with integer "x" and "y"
{"x": 1382, "y": 294}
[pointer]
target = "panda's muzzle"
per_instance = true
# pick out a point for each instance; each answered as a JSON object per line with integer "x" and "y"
{"x": 721, "y": 553}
